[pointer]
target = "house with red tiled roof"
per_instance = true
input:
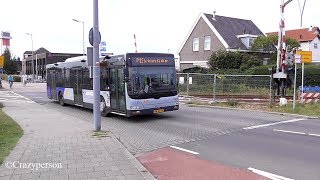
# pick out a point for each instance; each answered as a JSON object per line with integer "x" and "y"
{"x": 309, "y": 39}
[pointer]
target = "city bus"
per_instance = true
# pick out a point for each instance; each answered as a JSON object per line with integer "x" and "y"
{"x": 130, "y": 84}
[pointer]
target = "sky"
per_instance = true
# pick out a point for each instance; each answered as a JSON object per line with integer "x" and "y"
{"x": 159, "y": 25}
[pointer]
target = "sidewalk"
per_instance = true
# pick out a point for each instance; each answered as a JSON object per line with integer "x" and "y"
{"x": 70, "y": 147}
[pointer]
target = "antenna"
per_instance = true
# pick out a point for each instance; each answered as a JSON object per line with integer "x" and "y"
{"x": 135, "y": 42}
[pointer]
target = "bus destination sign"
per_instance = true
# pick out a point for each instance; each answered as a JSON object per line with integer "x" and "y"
{"x": 152, "y": 61}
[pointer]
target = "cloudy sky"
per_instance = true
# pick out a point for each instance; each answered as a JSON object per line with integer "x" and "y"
{"x": 159, "y": 25}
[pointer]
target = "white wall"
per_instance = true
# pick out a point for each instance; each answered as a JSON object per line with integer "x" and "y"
{"x": 309, "y": 46}
{"x": 315, "y": 51}
{"x": 304, "y": 46}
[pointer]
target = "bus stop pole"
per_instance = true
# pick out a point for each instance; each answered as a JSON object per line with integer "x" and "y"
{"x": 96, "y": 68}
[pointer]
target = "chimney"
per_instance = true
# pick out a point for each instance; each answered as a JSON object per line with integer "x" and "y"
{"x": 214, "y": 15}
{"x": 310, "y": 28}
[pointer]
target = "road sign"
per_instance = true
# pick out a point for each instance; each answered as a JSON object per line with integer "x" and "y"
{"x": 1, "y": 61}
{"x": 297, "y": 58}
{"x": 306, "y": 56}
{"x": 91, "y": 37}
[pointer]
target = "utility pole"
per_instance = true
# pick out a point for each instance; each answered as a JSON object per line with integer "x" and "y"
{"x": 76, "y": 20}
{"x": 32, "y": 63}
{"x": 135, "y": 42}
{"x": 96, "y": 68}
{"x": 295, "y": 64}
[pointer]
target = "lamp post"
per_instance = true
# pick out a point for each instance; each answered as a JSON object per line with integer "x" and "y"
{"x": 32, "y": 63}
{"x": 82, "y": 33}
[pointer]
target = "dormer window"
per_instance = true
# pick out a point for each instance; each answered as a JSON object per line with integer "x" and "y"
{"x": 247, "y": 39}
{"x": 251, "y": 41}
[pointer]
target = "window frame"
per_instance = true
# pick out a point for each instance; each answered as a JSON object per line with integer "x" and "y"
{"x": 252, "y": 39}
{"x": 207, "y": 42}
{"x": 195, "y": 44}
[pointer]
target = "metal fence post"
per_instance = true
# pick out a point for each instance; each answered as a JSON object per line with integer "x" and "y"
{"x": 187, "y": 84}
{"x": 214, "y": 87}
{"x": 270, "y": 89}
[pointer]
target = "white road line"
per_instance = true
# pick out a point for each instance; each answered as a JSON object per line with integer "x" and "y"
{"x": 16, "y": 101}
{"x": 21, "y": 96}
{"x": 295, "y": 132}
{"x": 268, "y": 175}
{"x": 292, "y": 132}
{"x": 185, "y": 150}
{"x": 310, "y": 134}
{"x": 272, "y": 124}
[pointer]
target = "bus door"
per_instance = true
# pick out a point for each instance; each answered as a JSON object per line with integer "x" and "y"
{"x": 77, "y": 86}
{"x": 52, "y": 83}
{"x": 117, "y": 90}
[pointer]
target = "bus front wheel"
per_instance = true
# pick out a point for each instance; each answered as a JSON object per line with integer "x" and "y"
{"x": 61, "y": 99}
{"x": 103, "y": 107}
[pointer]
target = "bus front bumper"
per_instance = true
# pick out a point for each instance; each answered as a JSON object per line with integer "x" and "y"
{"x": 152, "y": 110}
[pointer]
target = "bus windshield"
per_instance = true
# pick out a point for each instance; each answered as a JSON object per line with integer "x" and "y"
{"x": 151, "y": 82}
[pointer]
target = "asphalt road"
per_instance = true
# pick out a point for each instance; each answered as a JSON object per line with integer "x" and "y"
{"x": 217, "y": 135}
{"x": 284, "y": 152}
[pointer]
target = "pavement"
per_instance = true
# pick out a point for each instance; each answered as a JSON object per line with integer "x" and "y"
{"x": 60, "y": 146}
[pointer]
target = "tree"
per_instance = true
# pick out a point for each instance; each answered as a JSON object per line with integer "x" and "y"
{"x": 225, "y": 60}
{"x": 249, "y": 61}
{"x": 10, "y": 65}
{"x": 268, "y": 43}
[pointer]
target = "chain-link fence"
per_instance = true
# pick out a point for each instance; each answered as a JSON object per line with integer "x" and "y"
{"x": 222, "y": 87}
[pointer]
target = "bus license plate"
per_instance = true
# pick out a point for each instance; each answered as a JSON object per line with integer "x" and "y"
{"x": 158, "y": 111}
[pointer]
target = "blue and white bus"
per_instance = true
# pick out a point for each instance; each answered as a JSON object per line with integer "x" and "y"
{"x": 131, "y": 84}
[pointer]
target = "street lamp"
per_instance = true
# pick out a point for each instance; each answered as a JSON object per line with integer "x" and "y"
{"x": 82, "y": 31}
{"x": 32, "y": 63}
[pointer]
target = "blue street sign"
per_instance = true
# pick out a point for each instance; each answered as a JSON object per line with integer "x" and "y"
{"x": 103, "y": 49}
{"x": 103, "y": 43}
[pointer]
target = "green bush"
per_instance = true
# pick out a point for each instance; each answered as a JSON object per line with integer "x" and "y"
{"x": 232, "y": 102}
{"x": 16, "y": 78}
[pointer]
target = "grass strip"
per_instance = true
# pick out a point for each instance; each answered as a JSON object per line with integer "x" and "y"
{"x": 10, "y": 133}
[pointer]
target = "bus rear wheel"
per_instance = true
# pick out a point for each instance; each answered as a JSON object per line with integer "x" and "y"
{"x": 103, "y": 107}
{"x": 61, "y": 99}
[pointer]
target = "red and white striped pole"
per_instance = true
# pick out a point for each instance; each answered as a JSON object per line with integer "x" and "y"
{"x": 283, "y": 38}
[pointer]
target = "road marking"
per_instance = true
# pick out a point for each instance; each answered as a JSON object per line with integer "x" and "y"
{"x": 310, "y": 134}
{"x": 295, "y": 132}
{"x": 292, "y": 132}
{"x": 16, "y": 101}
{"x": 22, "y": 96}
{"x": 268, "y": 175}
{"x": 272, "y": 124}
{"x": 185, "y": 150}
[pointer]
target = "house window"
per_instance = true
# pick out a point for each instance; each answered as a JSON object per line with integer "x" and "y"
{"x": 207, "y": 42}
{"x": 195, "y": 44}
{"x": 315, "y": 45}
{"x": 251, "y": 41}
